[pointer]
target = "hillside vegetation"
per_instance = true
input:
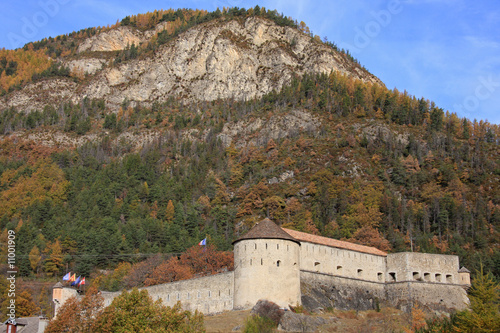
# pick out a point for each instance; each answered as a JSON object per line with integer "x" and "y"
{"x": 88, "y": 188}
{"x": 369, "y": 164}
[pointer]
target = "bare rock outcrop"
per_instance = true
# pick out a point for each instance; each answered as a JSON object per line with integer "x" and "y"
{"x": 36, "y": 95}
{"x": 239, "y": 59}
{"x": 299, "y": 322}
{"x": 85, "y": 66}
{"x": 260, "y": 131}
{"x": 112, "y": 40}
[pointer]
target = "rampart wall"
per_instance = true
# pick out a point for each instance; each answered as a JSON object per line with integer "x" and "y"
{"x": 208, "y": 294}
{"x": 324, "y": 290}
{"x": 341, "y": 262}
{"x": 413, "y": 266}
{"x": 436, "y": 296}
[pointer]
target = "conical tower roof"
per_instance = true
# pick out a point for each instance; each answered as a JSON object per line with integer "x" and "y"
{"x": 58, "y": 285}
{"x": 266, "y": 229}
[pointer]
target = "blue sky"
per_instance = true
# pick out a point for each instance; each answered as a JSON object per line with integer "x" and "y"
{"x": 447, "y": 51}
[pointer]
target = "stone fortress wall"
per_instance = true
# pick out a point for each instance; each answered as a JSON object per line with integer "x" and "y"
{"x": 343, "y": 263}
{"x": 290, "y": 268}
{"x": 208, "y": 294}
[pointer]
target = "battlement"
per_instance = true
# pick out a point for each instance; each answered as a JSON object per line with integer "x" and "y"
{"x": 272, "y": 263}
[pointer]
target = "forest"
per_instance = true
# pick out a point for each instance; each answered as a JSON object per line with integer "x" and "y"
{"x": 105, "y": 201}
{"x": 383, "y": 168}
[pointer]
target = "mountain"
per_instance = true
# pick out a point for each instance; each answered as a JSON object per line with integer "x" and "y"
{"x": 213, "y": 121}
{"x": 238, "y": 57}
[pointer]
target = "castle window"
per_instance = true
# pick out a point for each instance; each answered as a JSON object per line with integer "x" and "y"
{"x": 288, "y": 247}
{"x": 427, "y": 276}
{"x": 392, "y": 277}
{"x": 178, "y": 296}
{"x": 229, "y": 291}
{"x": 255, "y": 246}
{"x": 188, "y": 297}
{"x": 380, "y": 276}
{"x": 199, "y": 294}
{"x": 250, "y": 262}
{"x": 245, "y": 247}
{"x": 449, "y": 278}
{"x": 316, "y": 263}
{"x": 168, "y": 297}
{"x": 438, "y": 277}
{"x": 209, "y": 293}
{"x": 261, "y": 262}
{"x": 219, "y": 293}
{"x": 278, "y": 263}
{"x": 277, "y": 246}
{"x": 266, "y": 246}
{"x": 416, "y": 276}
{"x": 339, "y": 269}
{"x": 360, "y": 272}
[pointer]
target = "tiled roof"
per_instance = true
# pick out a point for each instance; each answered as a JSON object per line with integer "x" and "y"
{"x": 25, "y": 325}
{"x": 304, "y": 237}
{"x": 266, "y": 229}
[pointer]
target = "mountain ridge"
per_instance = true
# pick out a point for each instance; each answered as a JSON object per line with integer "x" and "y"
{"x": 237, "y": 58}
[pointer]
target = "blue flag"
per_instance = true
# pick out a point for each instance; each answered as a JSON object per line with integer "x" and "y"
{"x": 76, "y": 282}
{"x": 203, "y": 242}
{"x": 67, "y": 276}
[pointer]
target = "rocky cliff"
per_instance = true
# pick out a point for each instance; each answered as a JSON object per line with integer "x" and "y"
{"x": 239, "y": 58}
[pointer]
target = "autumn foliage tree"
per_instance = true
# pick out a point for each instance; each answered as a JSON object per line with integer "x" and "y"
{"x": 196, "y": 261}
{"x": 25, "y": 306}
{"x": 78, "y": 315}
{"x": 370, "y": 236}
{"x": 54, "y": 260}
{"x": 135, "y": 311}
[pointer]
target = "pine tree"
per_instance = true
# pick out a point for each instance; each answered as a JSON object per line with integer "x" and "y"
{"x": 484, "y": 314}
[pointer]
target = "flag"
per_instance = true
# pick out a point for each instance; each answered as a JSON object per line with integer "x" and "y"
{"x": 72, "y": 278}
{"x": 82, "y": 281}
{"x": 67, "y": 276}
{"x": 76, "y": 282}
{"x": 203, "y": 242}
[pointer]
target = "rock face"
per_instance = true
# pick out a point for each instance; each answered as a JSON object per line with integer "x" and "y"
{"x": 113, "y": 40}
{"x": 86, "y": 66}
{"x": 35, "y": 96}
{"x": 317, "y": 296}
{"x": 260, "y": 131}
{"x": 218, "y": 59}
{"x": 299, "y": 322}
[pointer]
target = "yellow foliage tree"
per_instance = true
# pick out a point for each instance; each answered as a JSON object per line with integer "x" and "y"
{"x": 170, "y": 212}
{"x": 47, "y": 182}
{"x": 35, "y": 259}
{"x": 54, "y": 261}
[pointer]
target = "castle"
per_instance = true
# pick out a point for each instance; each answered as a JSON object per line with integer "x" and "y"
{"x": 280, "y": 265}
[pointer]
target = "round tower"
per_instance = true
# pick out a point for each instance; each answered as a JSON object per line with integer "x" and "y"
{"x": 266, "y": 266}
